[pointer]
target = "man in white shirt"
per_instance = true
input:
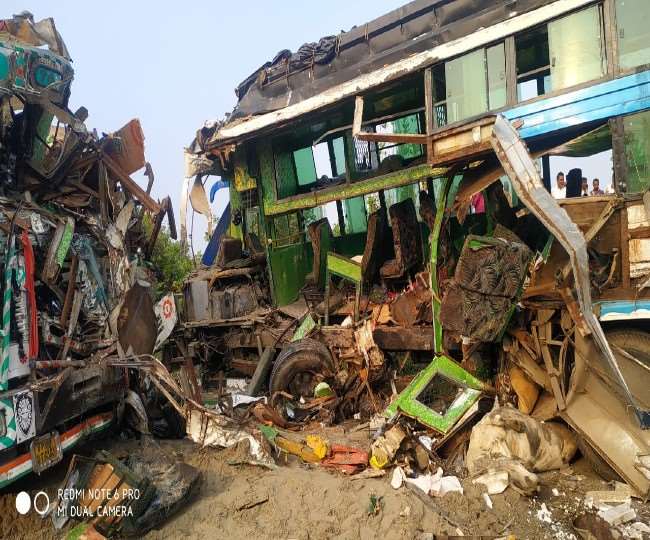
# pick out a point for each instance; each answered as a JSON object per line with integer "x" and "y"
{"x": 559, "y": 189}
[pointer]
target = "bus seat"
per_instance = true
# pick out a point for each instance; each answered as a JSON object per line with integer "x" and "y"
{"x": 230, "y": 250}
{"x": 406, "y": 239}
{"x": 320, "y": 234}
{"x": 375, "y": 251}
{"x": 255, "y": 248}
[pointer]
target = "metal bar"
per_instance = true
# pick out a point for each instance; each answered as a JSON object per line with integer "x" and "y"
{"x": 441, "y": 204}
{"x": 525, "y": 179}
{"x": 399, "y": 178}
{"x": 131, "y": 186}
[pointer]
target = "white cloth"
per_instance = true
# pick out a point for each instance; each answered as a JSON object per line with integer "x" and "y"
{"x": 558, "y": 193}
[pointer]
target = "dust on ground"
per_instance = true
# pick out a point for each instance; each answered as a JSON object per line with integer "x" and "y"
{"x": 299, "y": 501}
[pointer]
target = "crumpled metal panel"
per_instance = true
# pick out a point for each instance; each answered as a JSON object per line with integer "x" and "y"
{"x": 521, "y": 170}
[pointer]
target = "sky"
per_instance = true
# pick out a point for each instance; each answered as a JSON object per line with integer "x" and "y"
{"x": 175, "y": 65}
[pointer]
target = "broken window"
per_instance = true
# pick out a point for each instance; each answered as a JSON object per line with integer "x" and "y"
{"x": 324, "y": 160}
{"x": 329, "y": 211}
{"x": 633, "y": 33}
{"x": 305, "y": 166}
{"x": 533, "y": 65}
{"x": 439, "y": 394}
{"x": 354, "y": 210}
{"x": 637, "y": 151}
{"x": 406, "y": 151}
{"x": 286, "y": 230}
{"x": 566, "y": 52}
{"x": 470, "y": 84}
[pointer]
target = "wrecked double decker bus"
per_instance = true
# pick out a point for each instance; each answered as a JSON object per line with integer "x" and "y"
{"x": 76, "y": 289}
{"x": 391, "y": 243}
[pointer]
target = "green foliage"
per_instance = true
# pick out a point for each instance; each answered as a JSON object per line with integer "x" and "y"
{"x": 372, "y": 203}
{"x": 171, "y": 263}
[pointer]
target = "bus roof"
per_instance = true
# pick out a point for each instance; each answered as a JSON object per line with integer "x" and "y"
{"x": 401, "y": 42}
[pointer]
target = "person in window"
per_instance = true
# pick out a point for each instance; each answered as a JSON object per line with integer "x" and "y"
{"x": 574, "y": 183}
{"x": 596, "y": 188}
{"x": 478, "y": 203}
{"x": 559, "y": 189}
{"x": 584, "y": 187}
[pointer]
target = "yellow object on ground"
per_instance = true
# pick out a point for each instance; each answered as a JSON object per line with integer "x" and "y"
{"x": 318, "y": 445}
{"x": 527, "y": 391}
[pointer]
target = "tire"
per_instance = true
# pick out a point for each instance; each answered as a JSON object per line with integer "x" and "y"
{"x": 304, "y": 356}
{"x": 600, "y": 466}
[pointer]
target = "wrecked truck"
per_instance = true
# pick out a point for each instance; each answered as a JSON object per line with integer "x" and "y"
{"x": 390, "y": 202}
{"x": 73, "y": 254}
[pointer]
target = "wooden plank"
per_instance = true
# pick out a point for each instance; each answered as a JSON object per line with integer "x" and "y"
{"x": 625, "y": 250}
{"x": 429, "y": 113}
{"x": 131, "y": 186}
{"x": 397, "y": 338}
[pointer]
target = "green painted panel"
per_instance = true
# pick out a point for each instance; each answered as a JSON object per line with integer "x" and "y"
{"x": 403, "y": 177}
{"x": 441, "y": 198}
{"x": 305, "y": 166}
{"x": 4, "y": 63}
{"x": 339, "y": 155}
{"x": 267, "y": 171}
{"x": 43, "y": 130}
{"x": 356, "y": 220}
{"x": 407, "y": 401}
{"x": 289, "y": 265}
{"x": 235, "y": 204}
{"x": 243, "y": 180}
{"x": 305, "y": 328}
{"x": 344, "y": 267}
{"x": 285, "y": 175}
{"x": 408, "y": 124}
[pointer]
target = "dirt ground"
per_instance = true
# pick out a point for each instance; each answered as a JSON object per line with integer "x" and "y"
{"x": 301, "y": 502}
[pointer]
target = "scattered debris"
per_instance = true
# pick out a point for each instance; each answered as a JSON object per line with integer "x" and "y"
{"x": 124, "y": 497}
{"x": 507, "y": 441}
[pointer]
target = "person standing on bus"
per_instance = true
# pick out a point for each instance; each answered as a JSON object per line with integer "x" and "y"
{"x": 559, "y": 189}
{"x": 574, "y": 183}
{"x": 596, "y": 188}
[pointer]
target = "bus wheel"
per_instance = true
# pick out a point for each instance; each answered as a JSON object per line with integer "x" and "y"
{"x": 299, "y": 367}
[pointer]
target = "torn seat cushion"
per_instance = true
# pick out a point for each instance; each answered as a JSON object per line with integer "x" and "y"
{"x": 479, "y": 301}
{"x": 320, "y": 234}
{"x": 496, "y": 269}
{"x": 376, "y": 247}
{"x": 406, "y": 239}
{"x": 473, "y": 314}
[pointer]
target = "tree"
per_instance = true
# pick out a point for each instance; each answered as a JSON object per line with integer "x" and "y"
{"x": 171, "y": 263}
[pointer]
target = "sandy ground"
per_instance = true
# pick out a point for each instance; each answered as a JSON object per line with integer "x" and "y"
{"x": 301, "y": 502}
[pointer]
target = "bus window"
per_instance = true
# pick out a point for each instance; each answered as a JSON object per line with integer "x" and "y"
{"x": 470, "y": 84}
{"x": 286, "y": 230}
{"x": 633, "y": 33}
{"x": 329, "y": 211}
{"x": 533, "y": 64}
{"x": 566, "y": 52}
{"x": 356, "y": 220}
{"x": 576, "y": 48}
{"x": 323, "y": 161}
{"x": 637, "y": 151}
{"x": 305, "y": 166}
